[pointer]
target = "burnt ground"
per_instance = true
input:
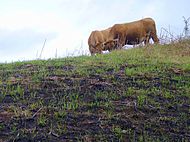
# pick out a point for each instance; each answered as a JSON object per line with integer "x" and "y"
{"x": 57, "y": 103}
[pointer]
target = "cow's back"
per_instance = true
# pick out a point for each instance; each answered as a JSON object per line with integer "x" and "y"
{"x": 134, "y": 32}
{"x": 143, "y": 24}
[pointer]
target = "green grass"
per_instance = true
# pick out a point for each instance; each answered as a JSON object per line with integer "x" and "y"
{"x": 140, "y": 94}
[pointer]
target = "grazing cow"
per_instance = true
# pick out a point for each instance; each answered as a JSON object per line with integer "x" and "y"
{"x": 97, "y": 39}
{"x": 134, "y": 32}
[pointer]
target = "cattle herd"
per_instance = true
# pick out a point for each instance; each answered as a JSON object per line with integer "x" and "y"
{"x": 119, "y": 35}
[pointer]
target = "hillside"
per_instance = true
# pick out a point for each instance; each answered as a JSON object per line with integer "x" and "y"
{"x": 140, "y": 94}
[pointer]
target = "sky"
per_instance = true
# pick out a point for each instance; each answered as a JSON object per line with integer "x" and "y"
{"x": 58, "y": 28}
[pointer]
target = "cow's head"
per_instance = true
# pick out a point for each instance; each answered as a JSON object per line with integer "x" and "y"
{"x": 96, "y": 49}
{"x": 110, "y": 45}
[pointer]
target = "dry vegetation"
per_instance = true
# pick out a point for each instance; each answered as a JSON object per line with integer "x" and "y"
{"x": 140, "y": 94}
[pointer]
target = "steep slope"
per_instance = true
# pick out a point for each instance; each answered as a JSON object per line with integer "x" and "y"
{"x": 140, "y": 94}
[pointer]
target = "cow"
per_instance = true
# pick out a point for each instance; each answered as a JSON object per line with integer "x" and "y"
{"x": 134, "y": 32}
{"x": 98, "y": 41}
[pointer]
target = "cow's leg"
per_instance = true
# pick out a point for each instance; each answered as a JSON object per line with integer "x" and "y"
{"x": 154, "y": 37}
{"x": 122, "y": 41}
{"x": 147, "y": 38}
{"x": 146, "y": 41}
{"x": 119, "y": 45}
{"x": 113, "y": 44}
{"x": 92, "y": 51}
{"x": 100, "y": 52}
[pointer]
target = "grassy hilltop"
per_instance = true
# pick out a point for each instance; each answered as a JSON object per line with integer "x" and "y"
{"x": 140, "y": 94}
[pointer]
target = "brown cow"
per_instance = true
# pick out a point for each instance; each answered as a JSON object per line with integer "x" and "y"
{"x": 97, "y": 39}
{"x": 134, "y": 32}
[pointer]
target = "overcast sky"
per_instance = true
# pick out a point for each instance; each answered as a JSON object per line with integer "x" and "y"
{"x": 67, "y": 24}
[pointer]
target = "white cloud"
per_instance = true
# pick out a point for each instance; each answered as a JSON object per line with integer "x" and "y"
{"x": 67, "y": 36}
